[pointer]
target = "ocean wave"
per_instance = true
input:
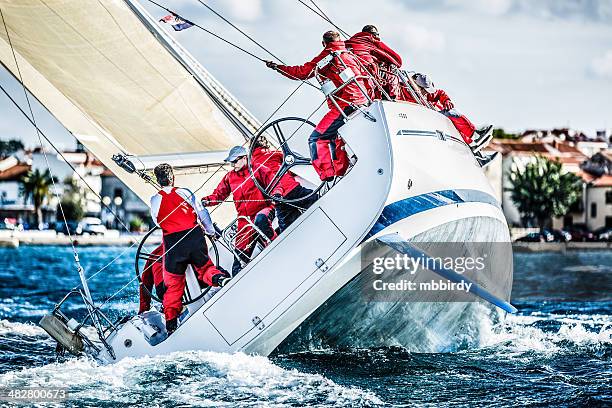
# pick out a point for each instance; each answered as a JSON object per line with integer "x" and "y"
{"x": 26, "y": 329}
{"x": 190, "y": 379}
{"x": 548, "y": 334}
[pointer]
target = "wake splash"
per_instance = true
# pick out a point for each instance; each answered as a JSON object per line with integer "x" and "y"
{"x": 189, "y": 379}
{"x": 549, "y": 334}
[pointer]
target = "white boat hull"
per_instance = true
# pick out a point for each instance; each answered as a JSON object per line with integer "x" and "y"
{"x": 434, "y": 181}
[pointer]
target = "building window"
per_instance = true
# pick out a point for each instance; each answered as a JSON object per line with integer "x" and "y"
{"x": 609, "y": 197}
{"x": 608, "y": 222}
{"x": 593, "y": 210}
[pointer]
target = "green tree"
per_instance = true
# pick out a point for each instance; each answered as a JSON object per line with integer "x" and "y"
{"x": 136, "y": 224}
{"x": 542, "y": 190}
{"x": 36, "y": 186}
{"x": 499, "y": 133}
{"x": 73, "y": 201}
{"x": 9, "y": 147}
{"x": 72, "y": 210}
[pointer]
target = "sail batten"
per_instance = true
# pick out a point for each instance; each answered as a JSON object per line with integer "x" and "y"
{"x": 118, "y": 82}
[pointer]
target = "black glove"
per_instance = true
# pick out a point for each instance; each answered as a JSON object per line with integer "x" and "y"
{"x": 271, "y": 64}
{"x": 277, "y": 197}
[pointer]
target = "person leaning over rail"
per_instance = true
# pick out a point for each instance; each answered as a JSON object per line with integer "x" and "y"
{"x": 326, "y": 148}
{"x": 177, "y": 213}
{"x": 441, "y": 101}
{"x": 377, "y": 58}
{"x": 249, "y": 202}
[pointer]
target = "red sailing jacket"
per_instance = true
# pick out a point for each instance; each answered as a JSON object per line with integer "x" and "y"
{"x": 371, "y": 50}
{"x": 248, "y": 199}
{"x": 350, "y": 93}
{"x": 438, "y": 98}
{"x": 273, "y": 159}
{"x": 175, "y": 214}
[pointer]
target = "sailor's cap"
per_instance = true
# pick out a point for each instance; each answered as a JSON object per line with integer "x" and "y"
{"x": 425, "y": 82}
{"x": 235, "y": 152}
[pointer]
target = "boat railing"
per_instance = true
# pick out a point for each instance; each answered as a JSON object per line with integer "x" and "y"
{"x": 405, "y": 78}
{"x": 232, "y": 236}
{"x": 347, "y": 75}
{"x": 77, "y": 328}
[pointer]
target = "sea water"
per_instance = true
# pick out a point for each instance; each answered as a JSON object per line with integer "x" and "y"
{"x": 556, "y": 351}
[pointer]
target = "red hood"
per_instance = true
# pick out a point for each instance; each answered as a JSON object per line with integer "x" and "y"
{"x": 363, "y": 37}
{"x": 335, "y": 46}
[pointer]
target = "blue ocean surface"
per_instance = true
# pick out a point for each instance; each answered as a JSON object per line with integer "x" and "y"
{"x": 557, "y": 351}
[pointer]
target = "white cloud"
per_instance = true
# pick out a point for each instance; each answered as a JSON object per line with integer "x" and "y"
{"x": 602, "y": 66}
{"x": 491, "y": 7}
{"x": 416, "y": 38}
{"x": 243, "y": 10}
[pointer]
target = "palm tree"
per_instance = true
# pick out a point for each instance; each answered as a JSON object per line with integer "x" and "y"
{"x": 36, "y": 185}
{"x": 542, "y": 190}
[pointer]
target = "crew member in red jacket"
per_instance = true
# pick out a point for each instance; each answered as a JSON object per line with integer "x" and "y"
{"x": 441, "y": 101}
{"x": 290, "y": 188}
{"x": 249, "y": 201}
{"x": 347, "y": 98}
{"x": 377, "y": 58}
{"x": 177, "y": 212}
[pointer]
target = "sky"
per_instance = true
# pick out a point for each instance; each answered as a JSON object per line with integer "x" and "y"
{"x": 518, "y": 64}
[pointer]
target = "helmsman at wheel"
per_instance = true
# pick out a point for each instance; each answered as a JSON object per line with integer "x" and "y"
{"x": 177, "y": 212}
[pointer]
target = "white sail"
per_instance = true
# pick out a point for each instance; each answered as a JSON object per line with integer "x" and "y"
{"x": 118, "y": 83}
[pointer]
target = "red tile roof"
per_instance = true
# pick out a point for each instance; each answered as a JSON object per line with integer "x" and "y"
{"x": 603, "y": 181}
{"x": 15, "y": 172}
{"x": 586, "y": 177}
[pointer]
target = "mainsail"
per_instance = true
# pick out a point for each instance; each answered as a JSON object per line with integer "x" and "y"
{"x": 119, "y": 83}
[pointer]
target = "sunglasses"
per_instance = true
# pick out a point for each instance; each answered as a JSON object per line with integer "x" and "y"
{"x": 236, "y": 160}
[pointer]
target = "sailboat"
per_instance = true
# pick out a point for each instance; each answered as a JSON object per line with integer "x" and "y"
{"x": 135, "y": 98}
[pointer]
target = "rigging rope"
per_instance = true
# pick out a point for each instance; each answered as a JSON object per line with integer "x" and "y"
{"x": 33, "y": 120}
{"x": 231, "y": 43}
{"x": 321, "y": 14}
{"x": 218, "y": 169}
{"x": 241, "y": 31}
{"x": 206, "y": 30}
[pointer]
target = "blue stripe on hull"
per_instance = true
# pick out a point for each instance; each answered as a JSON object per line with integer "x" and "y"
{"x": 407, "y": 207}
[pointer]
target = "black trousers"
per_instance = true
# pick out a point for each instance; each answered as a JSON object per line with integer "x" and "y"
{"x": 185, "y": 248}
{"x": 288, "y": 213}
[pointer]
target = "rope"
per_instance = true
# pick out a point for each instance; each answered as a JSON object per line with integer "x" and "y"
{"x": 207, "y": 31}
{"x": 40, "y": 133}
{"x": 33, "y": 120}
{"x": 229, "y": 42}
{"x": 241, "y": 31}
{"x": 321, "y": 14}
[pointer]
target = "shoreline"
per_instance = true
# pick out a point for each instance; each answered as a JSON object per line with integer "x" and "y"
{"x": 50, "y": 238}
{"x": 560, "y": 246}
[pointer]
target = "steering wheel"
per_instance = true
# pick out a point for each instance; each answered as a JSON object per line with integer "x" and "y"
{"x": 147, "y": 256}
{"x": 290, "y": 158}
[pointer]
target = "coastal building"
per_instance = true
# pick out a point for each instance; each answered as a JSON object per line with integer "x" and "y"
{"x": 594, "y": 210}
{"x": 86, "y": 175}
{"x": 121, "y": 202}
{"x": 597, "y": 173}
{"x": 12, "y": 205}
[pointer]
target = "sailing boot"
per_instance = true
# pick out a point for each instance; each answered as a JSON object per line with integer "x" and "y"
{"x": 482, "y": 137}
{"x": 484, "y": 159}
{"x": 171, "y": 325}
{"x": 221, "y": 279}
